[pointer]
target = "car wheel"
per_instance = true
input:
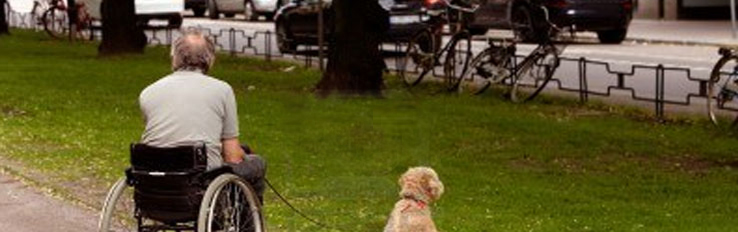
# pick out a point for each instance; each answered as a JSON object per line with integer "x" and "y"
{"x": 175, "y": 21}
{"x": 269, "y": 16}
{"x": 478, "y": 31}
{"x": 283, "y": 40}
{"x": 142, "y": 22}
{"x": 249, "y": 12}
{"x": 522, "y": 24}
{"x": 615, "y": 36}
{"x": 213, "y": 10}
{"x": 199, "y": 11}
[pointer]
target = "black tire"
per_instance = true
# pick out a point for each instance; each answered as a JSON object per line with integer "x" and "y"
{"x": 37, "y": 13}
{"x": 533, "y": 73}
{"x": 490, "y": 67}
{"x": 284, "y": 43}
{"x": 457, "y": 59}
{"x": 175, "y": 21}
{"x": 720, "y": 100}
{"x": 56, "y": 23}
{"x": 419, "y": 58}
{"x": 227, "y": 201}
{"x": 249, "y": 12}
{"x": 118, "y": 208}
{"x": 269, "y": 16}
{"x": 478, "y": 31}
{"x": 199, "y": 11}
{"x": 615, "y": 36}
{"x": 213, "y": 10}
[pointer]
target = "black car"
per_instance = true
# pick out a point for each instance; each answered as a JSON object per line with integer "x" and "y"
{"x": 296, "y": 22}
{"x": 609, "y": 18}
{"x": 198, "y": 7}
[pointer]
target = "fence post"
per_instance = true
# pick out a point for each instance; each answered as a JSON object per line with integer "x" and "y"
{"x": 232, "y": 41}
{"x": 268, "y": 44}
{"x": 660, "y": 92}
{"x": 583, "y": 85}
{"x": 169, "y": 36}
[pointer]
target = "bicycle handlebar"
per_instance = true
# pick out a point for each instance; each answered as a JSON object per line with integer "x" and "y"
{"x": 547, "y": 16}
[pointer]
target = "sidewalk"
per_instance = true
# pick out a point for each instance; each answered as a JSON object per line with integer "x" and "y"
{"x": 24, "y": 209}
{"x": 682, "y": 32}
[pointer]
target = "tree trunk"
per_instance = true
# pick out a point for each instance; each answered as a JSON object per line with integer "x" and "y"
{"x": 355, "y": 63}
{"x": 3, "y": 21}
{"x": 121, "y": 35}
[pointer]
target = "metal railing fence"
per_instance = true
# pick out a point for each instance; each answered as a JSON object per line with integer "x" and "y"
{"x": 238, "y": 42}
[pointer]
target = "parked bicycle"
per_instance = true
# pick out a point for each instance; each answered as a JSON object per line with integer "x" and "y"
{"x": 37, "y": 12}
{"x": 423, "y": 56}
{"x": 722, "y": 89}
{"x": 497, "y": 66}
{"x": 55, "y": 19}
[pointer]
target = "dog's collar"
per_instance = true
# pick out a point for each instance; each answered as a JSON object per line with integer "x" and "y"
{"x": 421, "y": 203}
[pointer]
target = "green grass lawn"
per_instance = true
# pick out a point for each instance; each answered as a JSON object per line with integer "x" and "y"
{"x": 551, "y": 165}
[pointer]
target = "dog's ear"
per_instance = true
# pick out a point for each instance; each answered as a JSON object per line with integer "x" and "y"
{"x": 433, "y": 185}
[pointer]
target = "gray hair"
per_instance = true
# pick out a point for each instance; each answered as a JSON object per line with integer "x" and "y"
{"x": 193, "y": 51}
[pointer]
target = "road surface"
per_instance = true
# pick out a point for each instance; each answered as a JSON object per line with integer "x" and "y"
{"x": 24, "y": 209}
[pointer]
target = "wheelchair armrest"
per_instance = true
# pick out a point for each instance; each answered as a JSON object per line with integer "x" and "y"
{"x": 212, "y": 174}
{"x": 130, "y": 180}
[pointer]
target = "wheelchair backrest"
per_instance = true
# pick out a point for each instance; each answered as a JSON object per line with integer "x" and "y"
{"x": 168, "y": 182}
{"x": 173, "y": 159}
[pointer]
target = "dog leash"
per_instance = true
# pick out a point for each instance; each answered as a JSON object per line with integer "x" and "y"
{"x": 303, "y": 215}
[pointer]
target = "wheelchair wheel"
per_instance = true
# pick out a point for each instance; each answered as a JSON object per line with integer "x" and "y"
{"x": 118, "y": 207}
{"x": 229, "y": 204}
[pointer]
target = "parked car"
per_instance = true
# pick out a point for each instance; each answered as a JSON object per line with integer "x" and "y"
{"x": 198, "y": 7}
{"x": 296, "y": 22}
{"x": 170, "y": 10}
{"x": 608, "y": 18}
{"x": 251, "y": 9}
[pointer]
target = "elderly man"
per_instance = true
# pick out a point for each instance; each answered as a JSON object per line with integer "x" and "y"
{"x": 188, "y": 107}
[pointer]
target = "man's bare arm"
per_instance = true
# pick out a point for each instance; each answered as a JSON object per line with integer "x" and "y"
{"x": 232, "y": 152}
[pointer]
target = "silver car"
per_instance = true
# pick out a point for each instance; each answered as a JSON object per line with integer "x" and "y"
{"x": 251, "y": 9}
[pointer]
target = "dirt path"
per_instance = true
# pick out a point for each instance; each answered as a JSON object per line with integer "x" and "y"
{"x": 25, "y": 209}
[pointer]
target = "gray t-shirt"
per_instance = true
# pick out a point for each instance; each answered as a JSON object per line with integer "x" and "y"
{"x": 186, "y": 108}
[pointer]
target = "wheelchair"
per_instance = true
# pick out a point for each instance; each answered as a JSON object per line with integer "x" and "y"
{"x": 169, "y": 189}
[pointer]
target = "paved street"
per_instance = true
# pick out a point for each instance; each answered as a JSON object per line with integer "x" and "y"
{"x": 24, "y": 209}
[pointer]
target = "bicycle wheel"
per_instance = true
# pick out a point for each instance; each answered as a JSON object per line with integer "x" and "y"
{"x": 534, "y": 72}
{"x": 56, "y": 23}
{"x": 419, "y": 58}
{"x": 490, "y": 67}
{"x": 457, "y": 59}
{"x": 721, "y": 91}
{"x": 37, "y": 13}
{"x": 118, "y": 212}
